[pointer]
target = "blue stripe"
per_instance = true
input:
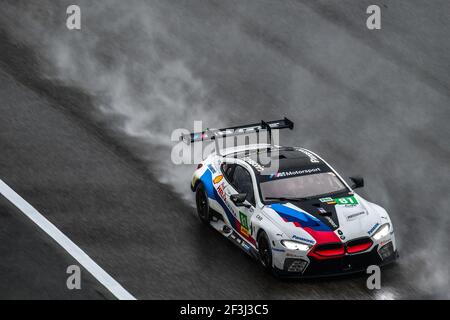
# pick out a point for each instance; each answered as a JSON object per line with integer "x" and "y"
{"x": 305, "y": 219}
{"x": 206, "y": 178}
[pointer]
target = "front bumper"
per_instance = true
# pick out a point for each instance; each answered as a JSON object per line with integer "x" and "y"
{"x": 347, "y": 264}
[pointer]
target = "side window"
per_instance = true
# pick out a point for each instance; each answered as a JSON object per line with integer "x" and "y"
{"x": 227, "y": 171}
{"x": 242, "y": 182}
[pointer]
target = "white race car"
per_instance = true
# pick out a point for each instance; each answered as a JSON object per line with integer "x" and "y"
{"x": 301, "y": 220}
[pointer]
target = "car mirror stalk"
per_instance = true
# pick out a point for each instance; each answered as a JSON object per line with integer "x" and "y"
{"x": 239, "y": 199}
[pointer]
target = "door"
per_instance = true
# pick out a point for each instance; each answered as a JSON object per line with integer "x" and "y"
{"x": 241, "y": 182}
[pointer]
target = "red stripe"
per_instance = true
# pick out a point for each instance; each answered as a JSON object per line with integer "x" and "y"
{"x": 322, "y": 237}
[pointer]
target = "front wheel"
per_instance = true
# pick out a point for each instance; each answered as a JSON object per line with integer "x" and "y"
{"x": 265, "y": 251}
{"x": 201, "y": 200}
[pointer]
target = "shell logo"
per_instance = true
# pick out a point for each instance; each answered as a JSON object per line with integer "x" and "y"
{"x": 218, "y": 179}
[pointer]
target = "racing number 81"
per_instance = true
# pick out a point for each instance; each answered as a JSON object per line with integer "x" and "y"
{"x": 346, "y": 200}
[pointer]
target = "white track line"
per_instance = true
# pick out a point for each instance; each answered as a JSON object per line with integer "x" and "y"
{"x": 93, "y": 268}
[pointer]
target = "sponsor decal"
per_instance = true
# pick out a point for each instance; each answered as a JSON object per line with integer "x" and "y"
{"x": 243, "y": 219}
{"x": 292, "y": 255}
{"x": 303, "y": 239}
{"x": 276, "y": 249}
{"x": 346, "y": 200}
{"x": 293, "y": 173}
{"x": 328, "y": 200}
{"x": 376, "y": 225}
{"x": 354, "y": 216}
{"x": 311, "y": 156}
{"x": 221, "y": 191}
{"x": 322, "y": 210}
{"x": 259, "y": 217}
{"x": 331, "y": 222}
{"x": 245, "y": 246}
{"x": 245, "y": 232}
{"x": 340, "y": 232}
{"x": 254, "y": 164}
{"x": 211, "y": 168}
{"x": 222, "y": 194}
{"x": 218, "y": 179}
{"x": 200, "y": 136}
{"x": 244, "y": 224}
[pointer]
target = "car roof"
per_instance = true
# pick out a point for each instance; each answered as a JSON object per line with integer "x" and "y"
{"x": 289, "y": 159}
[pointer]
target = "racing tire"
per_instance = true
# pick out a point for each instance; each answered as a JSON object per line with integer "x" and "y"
{"x": 265, "y": 252}
{"x": 201, "y": 200}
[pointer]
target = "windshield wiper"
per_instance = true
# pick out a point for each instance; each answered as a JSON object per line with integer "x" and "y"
{"x": 287, "y": 199}
{"x": 330, "y": 194}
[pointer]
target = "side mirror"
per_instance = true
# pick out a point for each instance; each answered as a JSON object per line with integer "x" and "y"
{"x": 358, "y": 182}
{"x": 239, "y": 200}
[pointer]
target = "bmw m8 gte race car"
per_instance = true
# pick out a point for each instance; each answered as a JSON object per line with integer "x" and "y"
{"x": 301, "y": 220}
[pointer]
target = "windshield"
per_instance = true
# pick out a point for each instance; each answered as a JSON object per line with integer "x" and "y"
{"x": 306, "y": 186}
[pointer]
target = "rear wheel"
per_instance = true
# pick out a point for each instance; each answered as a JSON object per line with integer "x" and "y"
{"x": 201, "y": 200}
{"x": 265, "y": 251}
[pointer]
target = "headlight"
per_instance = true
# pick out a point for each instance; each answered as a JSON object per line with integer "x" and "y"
{"x": 294, "y": 245}
{"x": 382, "y": 232}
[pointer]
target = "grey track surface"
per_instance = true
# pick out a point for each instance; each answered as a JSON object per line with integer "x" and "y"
{"x": 375, "y": 103}
{"x": 32, "y": 267}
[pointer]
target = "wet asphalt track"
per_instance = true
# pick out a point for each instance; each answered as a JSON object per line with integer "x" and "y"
{"x": 375, "y": 103}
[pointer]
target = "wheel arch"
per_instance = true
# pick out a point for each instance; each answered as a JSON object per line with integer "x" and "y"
{"x": 258, "y": 234}
{"x": 196, "y": 185}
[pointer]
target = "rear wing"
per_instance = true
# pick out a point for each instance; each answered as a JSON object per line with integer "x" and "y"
{"x": 214, "y": 134}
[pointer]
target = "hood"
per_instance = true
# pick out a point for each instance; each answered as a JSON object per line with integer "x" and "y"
{"x": 326, "y": 220}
